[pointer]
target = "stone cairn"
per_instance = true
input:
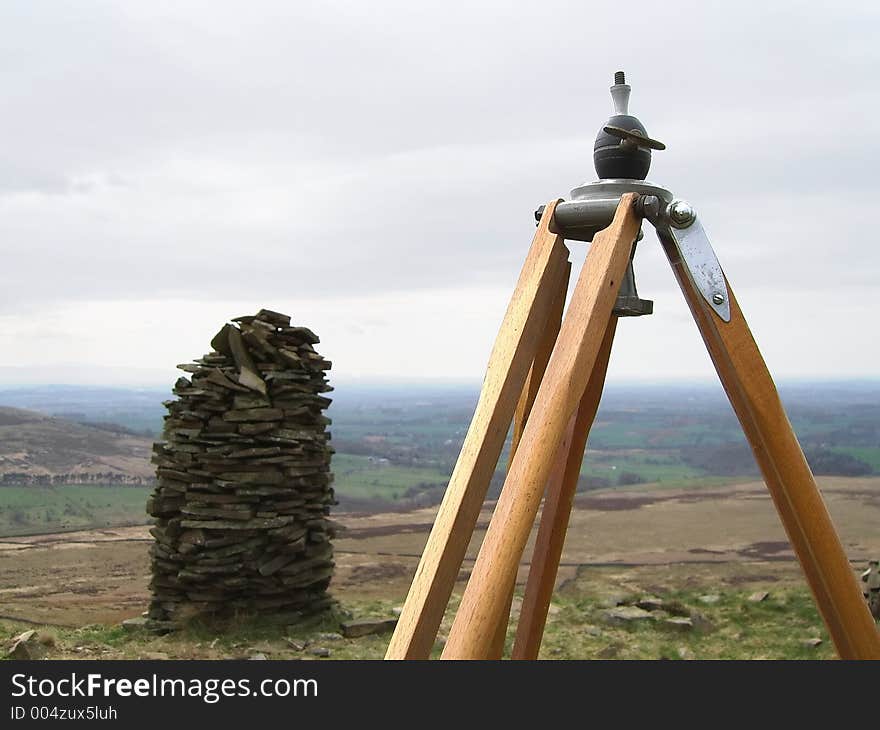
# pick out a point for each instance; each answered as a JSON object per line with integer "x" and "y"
{"x": 243, "y": 480}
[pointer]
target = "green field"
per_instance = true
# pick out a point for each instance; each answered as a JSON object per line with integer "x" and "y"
{"x": 397, "y": 446}
{"x": 363, "y": 477}
{"x": 34, "y": 509}
{"x": 621, "y": 469}
{"x": 869, "y": 455}
{"x": 30, "y": 509}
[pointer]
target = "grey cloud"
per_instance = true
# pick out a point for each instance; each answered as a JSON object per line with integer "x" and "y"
{"x": 321, "y": 149}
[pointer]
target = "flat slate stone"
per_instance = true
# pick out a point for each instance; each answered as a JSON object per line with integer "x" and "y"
{"x": 254, "y": 414}
{"x": 255, "y": 524}
{"x": 135, "y": 624}
{"x": 366, "y": 627}
{"x": 679, "y": 623}
{"x": 626, "y": 614}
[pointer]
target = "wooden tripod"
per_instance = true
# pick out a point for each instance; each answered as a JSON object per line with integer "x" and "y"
{"x": 546, "y": 374}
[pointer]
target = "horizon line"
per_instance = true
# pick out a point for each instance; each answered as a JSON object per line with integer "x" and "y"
{"x": 474, "y": 382}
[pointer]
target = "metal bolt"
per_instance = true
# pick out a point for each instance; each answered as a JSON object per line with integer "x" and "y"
{"x": 649, "y": 206}
{"x": 681, "y": 213}
{"x": 619, "y": 77}
{"x": 718, "y": 299}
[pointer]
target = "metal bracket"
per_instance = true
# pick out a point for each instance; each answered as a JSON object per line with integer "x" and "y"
{"x": 592, "y": 208}
{"x": 678, "y": 226}
{"x": 593, "y": 205}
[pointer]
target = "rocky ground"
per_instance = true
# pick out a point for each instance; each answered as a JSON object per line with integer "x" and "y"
{"x": 748, "y": 610}
{"x": 646, "y": 573}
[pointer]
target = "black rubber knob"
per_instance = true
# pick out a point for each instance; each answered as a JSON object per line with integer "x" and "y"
{"x": 615, "y": 160}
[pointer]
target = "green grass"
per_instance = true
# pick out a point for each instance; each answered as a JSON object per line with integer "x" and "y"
{"x": 732, "y": 628}
{"x": 649, "y": 467}
{"x": 32, "y": 509}
{"x": 358, "y": 476}
{"x": 238, "y": 637}
{"x": 577, "y": 628}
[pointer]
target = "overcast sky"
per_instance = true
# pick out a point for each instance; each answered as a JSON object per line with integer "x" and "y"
{"x": 371, "y": 168}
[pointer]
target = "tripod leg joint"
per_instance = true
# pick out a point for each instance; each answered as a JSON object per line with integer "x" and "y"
{"x": 682, "y": 234}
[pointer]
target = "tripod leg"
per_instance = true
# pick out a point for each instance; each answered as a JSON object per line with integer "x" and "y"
{"x": 557, "y": 510}
{"x": 568, "y": 371}
{"x": 804, "y": 515}
{"x": 514, "y": 350}
{"x": 539, "y": 366}
{"x": 523, "y": 408}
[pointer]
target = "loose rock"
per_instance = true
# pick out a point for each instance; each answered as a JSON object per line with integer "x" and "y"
{"x": 134, "y": 624}
{"x": 650, "y": 603}
{"x": 365, "y": 627}
{"x": 678, "y": 623}
{"x": 328, "y": 636}
{"x": 26, "y": 646}
{"x": 626, "y": 615}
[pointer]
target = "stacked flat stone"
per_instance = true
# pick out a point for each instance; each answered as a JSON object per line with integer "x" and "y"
{"x": 243, "y": 479}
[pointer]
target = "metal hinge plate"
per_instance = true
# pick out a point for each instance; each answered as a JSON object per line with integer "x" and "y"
{"x": 700, "y": 260}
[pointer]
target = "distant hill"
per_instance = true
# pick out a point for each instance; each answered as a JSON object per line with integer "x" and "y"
{"x": 40, "y": 449}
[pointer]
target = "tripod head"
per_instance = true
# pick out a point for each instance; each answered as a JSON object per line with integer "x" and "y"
{"x": 623, "y": 147}
{"x": 622, "y": 157}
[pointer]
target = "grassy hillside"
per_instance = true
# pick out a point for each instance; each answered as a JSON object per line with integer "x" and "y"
{"x": 35, "y": 448}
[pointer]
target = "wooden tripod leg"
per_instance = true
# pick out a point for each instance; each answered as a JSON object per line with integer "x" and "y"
{"x": 523, "y": 408}
{"x": 514, "y": 350}
{"x": 804, "y": 515}
{"x": 557, "y": 510}
{"x": 539, "y": 366}
{"x": 568, "y": 371}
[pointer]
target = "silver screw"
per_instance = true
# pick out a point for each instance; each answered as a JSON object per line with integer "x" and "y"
{"x": 718, "y": 298}
{"x": 681, "y": 212}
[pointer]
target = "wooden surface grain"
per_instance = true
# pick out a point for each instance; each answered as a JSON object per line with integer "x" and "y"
{"x": 521, "y": 416}
{"x": 755, "y": 400}
{"x": 512, "y": 354}
{"x": 564, "y": 382}
{"x": 557, "y": 510}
